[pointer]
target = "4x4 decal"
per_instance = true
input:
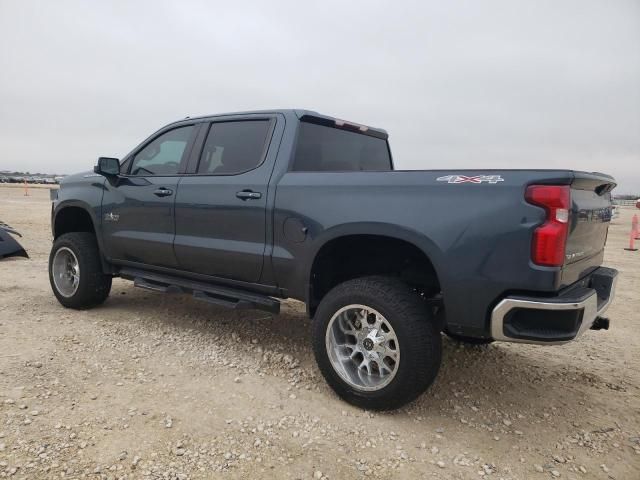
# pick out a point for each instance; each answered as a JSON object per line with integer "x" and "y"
{"x": 473, "y": 179}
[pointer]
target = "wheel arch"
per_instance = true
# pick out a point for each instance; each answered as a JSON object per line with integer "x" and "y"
{"x": 73, "y": 216}
{"x": 392, "y": 241}
{"x": 77, "y": 216}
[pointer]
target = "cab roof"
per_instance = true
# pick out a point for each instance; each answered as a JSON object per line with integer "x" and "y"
{"x": 307, "y": 116}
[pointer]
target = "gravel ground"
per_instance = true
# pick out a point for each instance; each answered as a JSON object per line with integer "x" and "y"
{"x": 165, "y": 387}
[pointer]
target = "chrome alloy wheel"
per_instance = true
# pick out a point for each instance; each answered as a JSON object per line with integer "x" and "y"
{"x": 66, "y": 272}
{"x": 362, "y": 347}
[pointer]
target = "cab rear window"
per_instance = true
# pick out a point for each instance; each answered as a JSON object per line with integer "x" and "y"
{"x": 322, "y": 148}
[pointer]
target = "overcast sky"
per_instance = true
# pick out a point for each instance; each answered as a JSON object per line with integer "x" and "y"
{"x": 475, "y": 84}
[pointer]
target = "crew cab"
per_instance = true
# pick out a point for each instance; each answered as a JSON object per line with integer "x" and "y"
{"x": 245, "y": 209}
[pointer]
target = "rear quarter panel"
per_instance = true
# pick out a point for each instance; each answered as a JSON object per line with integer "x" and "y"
{"x": 477, "y": 235}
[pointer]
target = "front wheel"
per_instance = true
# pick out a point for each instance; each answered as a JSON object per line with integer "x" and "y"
{"x": 75, "y": 271}
{"x": 376, "y": 343}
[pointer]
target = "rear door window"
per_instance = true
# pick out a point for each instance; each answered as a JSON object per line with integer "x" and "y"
{"x": 234, "y": 147}
{"x": 322, "y": 148}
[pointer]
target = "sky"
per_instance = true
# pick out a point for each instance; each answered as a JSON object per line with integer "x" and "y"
{"x": 457, "y": 84}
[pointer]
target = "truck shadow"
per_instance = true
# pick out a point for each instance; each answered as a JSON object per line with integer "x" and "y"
{"x": 476, "y": 385}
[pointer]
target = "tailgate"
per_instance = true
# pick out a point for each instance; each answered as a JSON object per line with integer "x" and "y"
{"x": 589, "y": 223}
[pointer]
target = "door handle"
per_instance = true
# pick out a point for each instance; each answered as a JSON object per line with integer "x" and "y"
{"x": 163, "y": 192}
{"x": 248, "y": 194}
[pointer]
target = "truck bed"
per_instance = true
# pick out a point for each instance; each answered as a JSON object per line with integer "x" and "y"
{"x": 475, "y": 226}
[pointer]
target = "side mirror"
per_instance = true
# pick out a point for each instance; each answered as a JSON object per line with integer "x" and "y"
{"x": 107, "y": 166}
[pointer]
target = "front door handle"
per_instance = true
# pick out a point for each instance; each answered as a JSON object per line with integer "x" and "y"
{"x": 163, "y": 192}
{"x": 248, "y": 194}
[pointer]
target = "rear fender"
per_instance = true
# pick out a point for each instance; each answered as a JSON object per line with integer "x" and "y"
{"x": 422, "y": 242}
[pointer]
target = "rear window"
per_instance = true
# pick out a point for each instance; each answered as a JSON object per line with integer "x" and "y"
{"x": 326, "y": 149}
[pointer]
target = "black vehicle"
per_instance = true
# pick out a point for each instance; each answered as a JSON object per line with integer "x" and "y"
{"x": 9, "y": 246}
{"x": 244, "y": 209}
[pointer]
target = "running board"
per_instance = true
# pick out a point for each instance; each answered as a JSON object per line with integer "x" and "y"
{"x": 156, "y": 287}
{"x": 223, "y": 296}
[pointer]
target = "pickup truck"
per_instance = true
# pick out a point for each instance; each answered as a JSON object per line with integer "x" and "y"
{"x": 244, "y": 209}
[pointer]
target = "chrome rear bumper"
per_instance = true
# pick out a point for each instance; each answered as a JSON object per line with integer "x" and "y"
{"x": 554, "y": 320}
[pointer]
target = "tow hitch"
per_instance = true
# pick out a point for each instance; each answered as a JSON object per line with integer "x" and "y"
{"x": 600, "y": 323}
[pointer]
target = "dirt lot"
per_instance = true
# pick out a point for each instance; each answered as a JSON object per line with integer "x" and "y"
{"x": 153, "y": 386}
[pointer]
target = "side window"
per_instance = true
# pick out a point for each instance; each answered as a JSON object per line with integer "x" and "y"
{"x": 163, "y": 155}
{"x": 234, "y": 147}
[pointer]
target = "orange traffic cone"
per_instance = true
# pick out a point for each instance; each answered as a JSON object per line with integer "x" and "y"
{"x": 634, "y": 226}
{"x": 632, "y": 237}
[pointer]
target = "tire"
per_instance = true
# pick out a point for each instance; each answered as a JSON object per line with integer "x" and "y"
{"x": 409, "y": 328}
{"x": 92, "y": 286}
{"x": 469, "y": 340}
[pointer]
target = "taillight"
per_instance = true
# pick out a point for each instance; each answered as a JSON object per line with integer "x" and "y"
{"x": 550, "y": 238}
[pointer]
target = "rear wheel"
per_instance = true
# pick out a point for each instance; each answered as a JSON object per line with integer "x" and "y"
{"x": 376, "y": 343}
{"x": 75, "y": 271}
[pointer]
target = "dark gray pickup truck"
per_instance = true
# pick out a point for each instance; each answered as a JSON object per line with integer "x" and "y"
{"x": 244, "y": 209}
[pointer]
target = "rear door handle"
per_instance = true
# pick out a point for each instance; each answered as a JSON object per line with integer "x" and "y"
{"x": 248, "y": 194}
{"x": 163, "y": 192}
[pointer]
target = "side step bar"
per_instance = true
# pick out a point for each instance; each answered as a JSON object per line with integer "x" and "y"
{"x": 223, "y": 296}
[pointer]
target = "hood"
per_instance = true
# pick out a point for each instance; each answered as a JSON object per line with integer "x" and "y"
{"x": 83, "y": 177}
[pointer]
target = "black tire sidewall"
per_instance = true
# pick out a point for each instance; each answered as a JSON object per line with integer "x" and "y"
{"x": 93, "y": 286}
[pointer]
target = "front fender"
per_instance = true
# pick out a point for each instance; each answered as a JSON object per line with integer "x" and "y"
{"x": 94, "y": 213}
{"x": 84, "y": 191}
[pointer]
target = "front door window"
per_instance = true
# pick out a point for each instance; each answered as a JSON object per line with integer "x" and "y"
{"x": 164, "y": 154}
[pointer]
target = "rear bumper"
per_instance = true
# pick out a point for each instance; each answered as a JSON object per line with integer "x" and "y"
{"x": 558, "y": 319}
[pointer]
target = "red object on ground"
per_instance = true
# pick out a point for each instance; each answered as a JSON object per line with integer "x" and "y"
{"x": 634, "y": 227}
{"x": 632, "y": 237}
{"x": 638, "y": 203}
